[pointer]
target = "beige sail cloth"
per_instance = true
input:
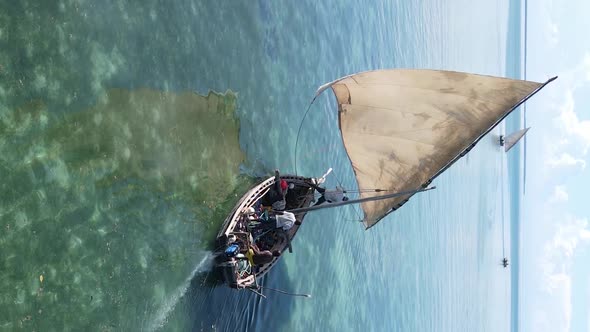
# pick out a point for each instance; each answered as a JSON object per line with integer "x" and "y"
{"x": 513, "y": 138}
{"x": 402, "y": 127}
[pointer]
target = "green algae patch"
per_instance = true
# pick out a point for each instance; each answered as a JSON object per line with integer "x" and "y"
{"x": 113, "y": 205}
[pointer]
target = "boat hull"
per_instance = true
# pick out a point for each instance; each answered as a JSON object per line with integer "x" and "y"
{"x": 236, "y": 271}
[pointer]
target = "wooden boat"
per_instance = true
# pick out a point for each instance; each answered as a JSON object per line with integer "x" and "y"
{"x": 238, "y": 272}
{"x": 401, "y": 129}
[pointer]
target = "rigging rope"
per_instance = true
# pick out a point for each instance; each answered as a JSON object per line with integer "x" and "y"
{"x": 354, "y": 207}
{"x": 337, "y": 178}
{"x": 299, "y": 131}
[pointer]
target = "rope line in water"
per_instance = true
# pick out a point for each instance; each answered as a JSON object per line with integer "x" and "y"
{"x": 284, "y": 292}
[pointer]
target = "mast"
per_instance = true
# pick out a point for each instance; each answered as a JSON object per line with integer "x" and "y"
{"x": 360, "y": 200}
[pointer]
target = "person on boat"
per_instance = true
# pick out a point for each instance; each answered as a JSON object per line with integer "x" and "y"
{"x": 329, "y": 195}
{"x": 505, "y": 262}
{"x": 280, "y": 220}
{"x": 258, "y": 257}
{"x": 276, "y": 197}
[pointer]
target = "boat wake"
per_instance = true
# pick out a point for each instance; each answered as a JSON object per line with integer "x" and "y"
{"x": 162, "y": 314}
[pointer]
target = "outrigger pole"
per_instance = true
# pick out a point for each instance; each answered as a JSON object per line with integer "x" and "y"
{"x": 283, "y": 292}
{"x": 360, "y": 200}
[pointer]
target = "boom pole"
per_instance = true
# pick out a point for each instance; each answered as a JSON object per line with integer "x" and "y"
{"x": 360, "y": 200}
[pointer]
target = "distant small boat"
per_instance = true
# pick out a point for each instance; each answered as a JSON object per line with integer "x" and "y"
{"x": 509, "y": 141}
{"x": 505, "y": 262}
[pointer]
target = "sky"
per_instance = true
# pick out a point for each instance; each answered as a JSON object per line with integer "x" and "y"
{"x": 555, "y": 230}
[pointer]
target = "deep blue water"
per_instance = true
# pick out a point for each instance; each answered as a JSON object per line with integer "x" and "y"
{"x": 113, "y": 195}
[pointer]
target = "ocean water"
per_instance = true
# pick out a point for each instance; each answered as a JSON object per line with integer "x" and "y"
{"x": 128, "y": 129}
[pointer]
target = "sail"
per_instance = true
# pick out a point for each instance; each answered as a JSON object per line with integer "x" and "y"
{"x": 513, "y": 138}
{"x": 402, "y": 128}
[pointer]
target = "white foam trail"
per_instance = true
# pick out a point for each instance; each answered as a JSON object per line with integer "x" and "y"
{"x": 168, "y": 306}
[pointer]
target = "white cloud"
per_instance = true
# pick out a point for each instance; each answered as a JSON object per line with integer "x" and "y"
{"x": 551, "y": 27}
{"x": 572, "y": 125}
{"x": 553, "y": 311}
{"x": 567, "y": 237}
{"x": 556, "y": 312}
{"x": 566, "y": 160}
{"x": 580, "y": 74}
{"x": 555, "y": 238}
{"x": 559, "y": 194}
{"x": 552, "y": 34}
{"x": 569, "y": 147}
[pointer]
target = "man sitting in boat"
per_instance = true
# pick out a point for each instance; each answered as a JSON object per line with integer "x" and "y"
{"x": 329, "y": 195}
{"x": 258, "y": 257}
{"x": 277, "y": 193}
{"x": 280, "y": 220}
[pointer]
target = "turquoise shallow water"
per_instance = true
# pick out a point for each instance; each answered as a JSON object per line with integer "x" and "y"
{"x": 116, "y": 171}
